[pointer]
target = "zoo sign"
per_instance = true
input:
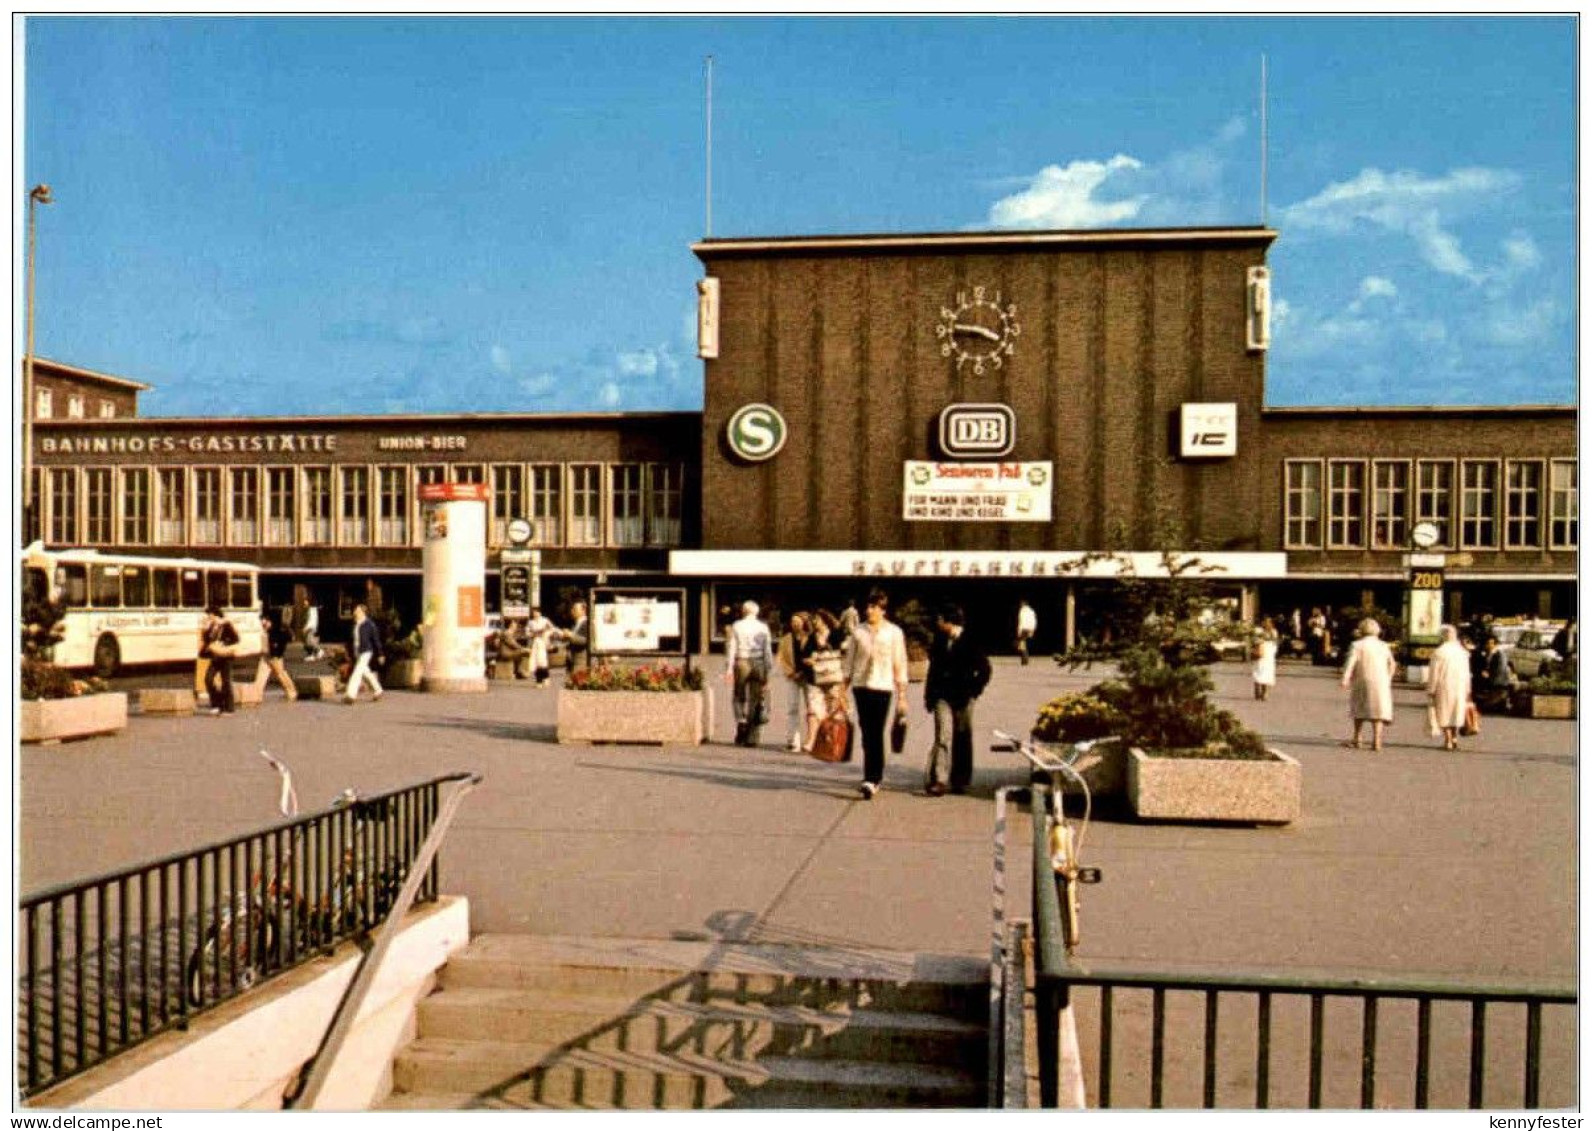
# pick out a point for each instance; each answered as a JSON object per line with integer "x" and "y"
{"x": 756, "y": 432}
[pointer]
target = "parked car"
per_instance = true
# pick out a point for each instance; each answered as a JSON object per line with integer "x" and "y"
{"x": 1531, "y": 653}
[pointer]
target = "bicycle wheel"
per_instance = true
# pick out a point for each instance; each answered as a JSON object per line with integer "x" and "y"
{"x": 230, "y": 946}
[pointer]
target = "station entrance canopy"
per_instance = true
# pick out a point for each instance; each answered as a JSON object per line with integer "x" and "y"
{"x": 928, "y": 564}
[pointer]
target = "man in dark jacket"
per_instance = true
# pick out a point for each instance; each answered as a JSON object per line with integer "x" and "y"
{"x": 958, "y": 674}
{"x": 218, "y": 644}
{"x": 367, "y": 651}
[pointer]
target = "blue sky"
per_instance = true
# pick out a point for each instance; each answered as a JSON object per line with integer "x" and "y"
{"x": 281, "y": 216}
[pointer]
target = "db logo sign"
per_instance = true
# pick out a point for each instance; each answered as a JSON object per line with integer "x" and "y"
{"x": 756, "y": 432}
{"x": 977, "y": 430}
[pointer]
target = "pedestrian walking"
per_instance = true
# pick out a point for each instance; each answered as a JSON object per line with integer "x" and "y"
{"x": 367, "y": 651}
{"x": 218, "y": 644}
{"x": 1368, "y": 676}
{"x": 578, "y": 638}
{"x": 958, "y": 673}
{"x": 1263, "y": 659}
{"x": 1320, "y": 639}
{"x": 788, "y": 657}
{"x": 748, "y": 658}
{"x": 822, "y": 661}
{"x": 274, "y": 662}
{"x": 1448, "y": 686}
{"x": 513, "y": 645}
{"x": 876, "y": 669}
{"x": 1027, "y": 625}
{"x": 1497, "y": 678}
{"x": 539, "y": 635}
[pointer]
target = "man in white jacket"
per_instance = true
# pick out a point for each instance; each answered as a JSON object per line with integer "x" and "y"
{"x": 748, "y": 657}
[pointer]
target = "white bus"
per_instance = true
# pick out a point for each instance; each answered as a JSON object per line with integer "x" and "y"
{"x": 123, "y": 609}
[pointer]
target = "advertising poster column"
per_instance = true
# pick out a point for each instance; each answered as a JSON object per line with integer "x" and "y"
{"x": 453, "y": 587}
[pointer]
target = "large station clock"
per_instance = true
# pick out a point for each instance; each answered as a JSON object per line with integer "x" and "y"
{"x": 978, "y": 330}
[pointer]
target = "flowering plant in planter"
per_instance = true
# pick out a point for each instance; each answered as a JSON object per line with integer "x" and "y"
{"x": 649, "y": 677}
{"x": 1077, "y": 717}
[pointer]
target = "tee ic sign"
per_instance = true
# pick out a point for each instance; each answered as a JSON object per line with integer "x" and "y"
{"x": 979, "y": 430}
{"x": 1209, "y": 431}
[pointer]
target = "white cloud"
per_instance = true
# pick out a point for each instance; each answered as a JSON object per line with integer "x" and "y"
{"x": 609, "y": 395}
{"x": 1375, "y": 286}
{"x": 638, "y": 363}
{"x": 1521, "y": 252}
{"x": 1531, "y": 325}
{"x": 1419, "y": 207}
{"x": 500, "y": 360}
{"x": 1059, "y": 197}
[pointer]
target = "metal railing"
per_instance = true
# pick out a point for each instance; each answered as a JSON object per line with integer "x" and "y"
{"x": 1240, "y": 1069}
{"x": 106, "y": 963}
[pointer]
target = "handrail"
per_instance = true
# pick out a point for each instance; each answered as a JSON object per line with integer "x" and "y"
{"x": 71, "y": 887}
{"x": 1000, "y": 958}
{"x": 108, "y": 962}
{"x": 317, "y": 1071}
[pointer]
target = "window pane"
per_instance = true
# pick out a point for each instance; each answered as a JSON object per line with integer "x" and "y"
{"x": 135, "y": 587}
{"x": 106, "y": 586}
{"x": 207, "y": 506}
{"x": 1303, "y": 524}
{"x": 98, "y": 492}
{"x": 469, "y": 473}
{"x": 1478, "y": 505}
{"x": 242, "y": 591}
{"x": 355, "y": 507}
{"x": 508, "y": 498}
{"x": 243, "y": 520}
{"x": 393, "y": 528}
{"x": 63, "y": 505}
{"x": 217, "y": 587}
{"x": 173, "y": 506}
{"x": 167, "y": 595}
{"x": 1390, "y": 505}
{"x": 193, "y": 589}
{"x": 317, "y": 505}
{"x": 73, "y": 581}
{"x": 547, "y": 505}
{"x": 1434, "y": 499}
{"x": 1563, "y": 534}
{"x": 1523, "y": 505}
{"x": 1346, "y": 505}
{"x": 664, "y": 504}
{"x": 585, "y": 505}
{"x": 280, "y": 506}
{"x": 135, "y": 506}
{"x": 628, "y": 516}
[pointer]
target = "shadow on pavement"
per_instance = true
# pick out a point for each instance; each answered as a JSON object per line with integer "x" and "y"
{"x": 521, "y": 732}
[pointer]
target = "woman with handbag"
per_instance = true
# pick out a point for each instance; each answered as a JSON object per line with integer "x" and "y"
{"x": 821, "y": 663}
{"x": 877, "y": 668}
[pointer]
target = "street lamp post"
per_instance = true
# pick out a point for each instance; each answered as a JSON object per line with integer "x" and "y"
{"x": 39, "y": 194}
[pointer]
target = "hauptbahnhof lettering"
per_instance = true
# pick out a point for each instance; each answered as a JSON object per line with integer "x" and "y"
{"x": 954, "y": 417}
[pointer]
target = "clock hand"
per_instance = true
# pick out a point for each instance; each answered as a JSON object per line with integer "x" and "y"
{"x": 967, "y": 328}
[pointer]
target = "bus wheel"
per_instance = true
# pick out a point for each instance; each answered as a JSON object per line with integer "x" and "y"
{"x": 107, "y": 656}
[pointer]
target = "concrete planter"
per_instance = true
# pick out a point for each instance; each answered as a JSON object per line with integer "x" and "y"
{"x": 670, "y": 718}
{"x": 1549, "y": 706}
{"x": 51, "y": 720}
{"x": 1214, "y": 789}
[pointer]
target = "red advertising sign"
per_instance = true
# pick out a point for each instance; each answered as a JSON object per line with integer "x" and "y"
{"x": 454, "y": 492}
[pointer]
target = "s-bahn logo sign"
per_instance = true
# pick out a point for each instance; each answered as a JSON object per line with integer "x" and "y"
{"x": 1208, "y": 431}
{"x": 985, "y": 430}
{"x": 756, "y": 432}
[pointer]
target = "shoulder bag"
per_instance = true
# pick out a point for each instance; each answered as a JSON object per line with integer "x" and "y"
{"x": 833, "y": 737}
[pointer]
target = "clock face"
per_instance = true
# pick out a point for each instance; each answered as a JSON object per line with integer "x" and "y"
{"x": 1424, "y": 534}
{"x": 978, "y": 330}
{"x": 519, "y": 530}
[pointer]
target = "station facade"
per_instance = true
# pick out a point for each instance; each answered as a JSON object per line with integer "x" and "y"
{"x": 952, "y": 417}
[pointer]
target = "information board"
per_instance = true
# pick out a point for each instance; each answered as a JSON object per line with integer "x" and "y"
{"x": 638, "y": 622}
{"x": 522, "y": 581}
{"x": 935, "y": 491}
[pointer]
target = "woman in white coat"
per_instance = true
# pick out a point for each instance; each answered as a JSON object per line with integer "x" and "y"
{"x": 1448, "y": 686}
{"x": 1263, "y": 665}
{"x": 1369, "y": 677}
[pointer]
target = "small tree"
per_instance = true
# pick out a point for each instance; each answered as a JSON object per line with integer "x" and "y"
{"x": 1156, "y": 634}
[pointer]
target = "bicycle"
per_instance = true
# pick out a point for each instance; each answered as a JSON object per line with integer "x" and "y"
{"x": 1065, "y": 840}
{"x": 247, "y": 937}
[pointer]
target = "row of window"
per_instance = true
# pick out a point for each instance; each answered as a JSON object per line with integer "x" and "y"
{"x": 580, "y": 504}
{"x": 1475, "y": 504}
{"x": 44, "y": 406}
{"x": 142, "y": 587}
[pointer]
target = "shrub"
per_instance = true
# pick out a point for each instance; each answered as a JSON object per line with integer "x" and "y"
{"x": 1555, "y": 683}
{"x": 651, "y": 677}
{"x": 1077, "y": 717}
{"x": 43, "y": 680}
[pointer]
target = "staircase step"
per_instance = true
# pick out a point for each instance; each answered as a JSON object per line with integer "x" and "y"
{"x": 743, "y": 1028}
{"x": 517, "y": 1074}
{"x": 768, "y": 972}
